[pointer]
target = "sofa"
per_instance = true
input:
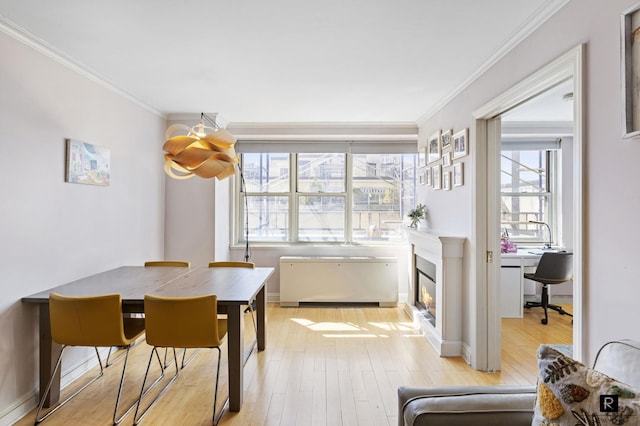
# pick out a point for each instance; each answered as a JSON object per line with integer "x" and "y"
{"x": 503, "y": 405}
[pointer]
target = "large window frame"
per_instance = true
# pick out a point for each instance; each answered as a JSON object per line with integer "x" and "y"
{"x": 295, "y": 197}
{"x": 523, "y": 229}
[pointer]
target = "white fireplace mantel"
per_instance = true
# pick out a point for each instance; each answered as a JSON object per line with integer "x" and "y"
{"x": 446, "y": 252}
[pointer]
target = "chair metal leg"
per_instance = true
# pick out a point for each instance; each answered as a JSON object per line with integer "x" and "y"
{"x": 184, "y": 354}
{"x": 143, "y": 392}
{"x": 109, "y": 362}
{"x": 185, "y": 360}
{"x": 116, "y": 419}
{"x": 216, "y": 419}
{"x": 48, "y": 388}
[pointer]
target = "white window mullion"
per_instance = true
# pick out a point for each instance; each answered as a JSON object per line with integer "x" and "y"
{"x": 348, "y": 205}
{"x": 293, "y": 197}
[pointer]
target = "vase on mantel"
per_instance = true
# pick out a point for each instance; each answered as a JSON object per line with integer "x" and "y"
{"x": 414, "y": 223}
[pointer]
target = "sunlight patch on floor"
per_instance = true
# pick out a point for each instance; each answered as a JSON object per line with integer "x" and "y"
{"x": 327, "y": 326}
{"x": 351, "y": 335}
{"x": 393, "y": 326}
{"x": 344, "y": 329}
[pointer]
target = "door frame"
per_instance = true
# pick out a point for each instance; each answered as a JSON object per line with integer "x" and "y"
{"x": 486, "y": 222}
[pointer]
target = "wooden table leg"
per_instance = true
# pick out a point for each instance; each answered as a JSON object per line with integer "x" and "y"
{"x": 49, "y": 352}
{"x": 235, "y": 350}
{"x": 261, "y": 313}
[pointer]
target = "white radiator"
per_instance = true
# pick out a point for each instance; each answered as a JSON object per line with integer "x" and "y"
{"x": 338, "y": 279}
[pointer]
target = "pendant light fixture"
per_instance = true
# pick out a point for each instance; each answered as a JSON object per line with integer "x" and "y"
{"x": 205, "y": 150}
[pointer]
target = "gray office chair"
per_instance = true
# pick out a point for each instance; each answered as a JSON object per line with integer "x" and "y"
{"x": 553, "y": 268}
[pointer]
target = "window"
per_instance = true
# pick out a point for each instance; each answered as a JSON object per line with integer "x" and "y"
{"x": 528, "y": 193}
{"x": 266, "y": 196}
{"x": 325, "y": 197}
{"x": 383, "y": 191}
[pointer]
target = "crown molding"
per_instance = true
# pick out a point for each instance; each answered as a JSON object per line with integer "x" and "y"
{"x": 326, "y": 131}
{"x": 537, "y": 18}
{"x": 25, "y": 37}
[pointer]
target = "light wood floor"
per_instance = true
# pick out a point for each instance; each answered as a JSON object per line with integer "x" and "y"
{"x": 322, "y": 366}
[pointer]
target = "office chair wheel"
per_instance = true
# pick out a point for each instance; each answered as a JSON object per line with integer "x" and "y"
{"x": 544, "y": 321}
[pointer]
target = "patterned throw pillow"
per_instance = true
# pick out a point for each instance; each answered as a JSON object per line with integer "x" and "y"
{"x": 571, "y": 394}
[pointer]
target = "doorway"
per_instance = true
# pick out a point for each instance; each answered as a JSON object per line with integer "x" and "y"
{"x": 487, "y": 214}
{"x": 536, "y": 212}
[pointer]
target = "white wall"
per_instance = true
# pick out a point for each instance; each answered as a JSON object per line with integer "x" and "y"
{"x": 612, "y": 197}
{"x": 54, "y": 232}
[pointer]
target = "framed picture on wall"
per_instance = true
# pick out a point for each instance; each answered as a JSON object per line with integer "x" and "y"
{"x": 427, "y": 176}
{"x": 446, "y": 180}
{"x": 436, "y": 176}
{"x": 446, "y": 158}
{"x": 458, "y": 174}
{"x": 461, "y": 143}
{"x": 446, "y": 138}
{"x": 422, "y": 157}
{"x": 433, "y": 145}
{"x": 87, "y": 163}
{"x": 630, "y": 56}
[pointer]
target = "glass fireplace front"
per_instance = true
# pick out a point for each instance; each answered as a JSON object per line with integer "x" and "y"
{"x": 426, "y": 289}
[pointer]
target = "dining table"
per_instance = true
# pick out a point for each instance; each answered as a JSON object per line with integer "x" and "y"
{"x": 236, "y": 288}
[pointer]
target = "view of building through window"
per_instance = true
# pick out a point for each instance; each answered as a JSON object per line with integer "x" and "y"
{"x": 526, "y": 194}
{"x": 326, "y": 197}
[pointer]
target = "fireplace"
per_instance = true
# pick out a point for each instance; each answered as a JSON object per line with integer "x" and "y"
{"x": 435, "y": 291}
{"x": 426, "y": 289}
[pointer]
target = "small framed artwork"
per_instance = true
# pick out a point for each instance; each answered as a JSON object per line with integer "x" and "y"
{"x": 446, "y": 181}
{"x": 446, "y": 138}
{"x": 630, "y": 56}
{"x": 427, "y": 176}
{"x": 458, "y": 174}
{"x": 446, "y": 158}
{"x": 436, "y": 176}
{"x": 422, "y": 157}
{"x": 87, "y": 163}
{"x": 461, "y": 143}
{"x": 433, "y": 146}
{"x": 422, "y": 179}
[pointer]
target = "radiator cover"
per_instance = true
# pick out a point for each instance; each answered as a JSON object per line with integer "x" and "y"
{"x": 338, "y": 279}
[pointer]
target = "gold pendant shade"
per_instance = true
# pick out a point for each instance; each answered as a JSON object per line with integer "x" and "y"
{"x": 203, "y": 151}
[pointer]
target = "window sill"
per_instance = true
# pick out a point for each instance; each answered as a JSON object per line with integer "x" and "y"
{"x": 275, "y": 245}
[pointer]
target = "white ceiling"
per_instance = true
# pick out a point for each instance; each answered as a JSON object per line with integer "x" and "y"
{"x": 555, "y": 104}
{"x": 281, "y": 60}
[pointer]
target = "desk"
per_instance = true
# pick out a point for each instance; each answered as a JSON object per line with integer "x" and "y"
{"x": 235, "y": 288}
{"x": 512, "y": 282}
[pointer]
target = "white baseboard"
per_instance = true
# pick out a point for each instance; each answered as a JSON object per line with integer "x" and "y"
{"x": 24, "y": 405}
{"x": 275, "y": 298}
{"x": 18, "y": 409}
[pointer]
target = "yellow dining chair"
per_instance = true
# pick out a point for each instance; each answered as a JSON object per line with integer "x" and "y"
{"x": 239, "y": 264}
{"x": 90, "y": 321}
{"x": 168, "y": 263}
{"x": 178, "y": 263}
{"x": 182, "y": 322}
